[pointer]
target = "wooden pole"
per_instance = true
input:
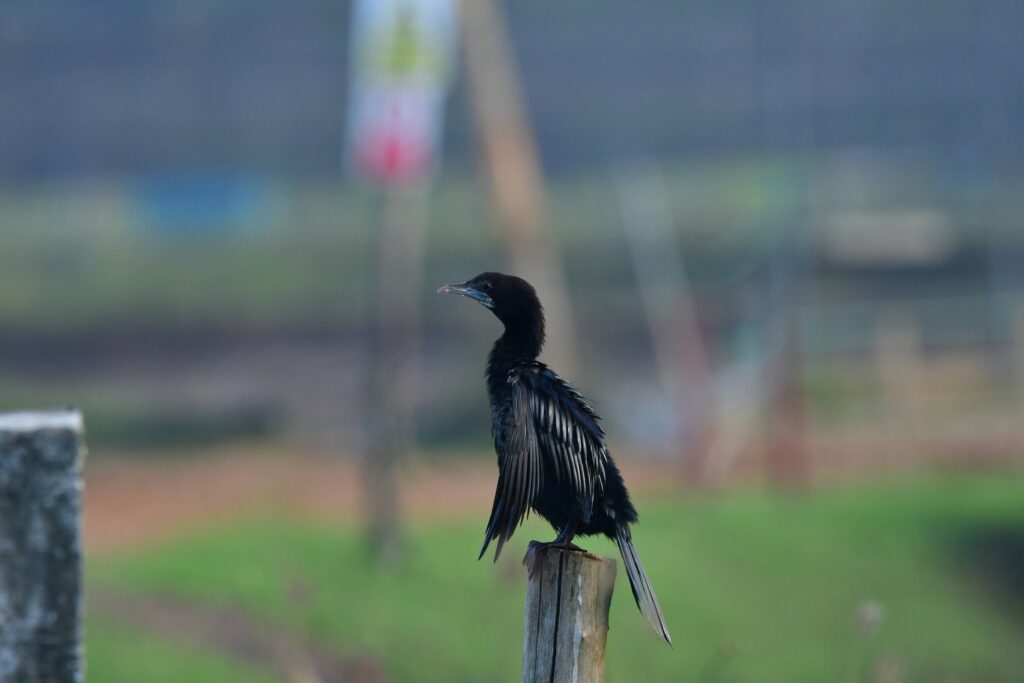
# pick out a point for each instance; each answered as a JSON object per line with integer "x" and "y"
{"x": 787, "y": 458}
{"x": 392, "y": 364}
{"x": 40, "y": 547}
{"x": 567, "y": 602}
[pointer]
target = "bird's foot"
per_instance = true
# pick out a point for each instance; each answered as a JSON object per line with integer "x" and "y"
{"x": 532, "y": 556}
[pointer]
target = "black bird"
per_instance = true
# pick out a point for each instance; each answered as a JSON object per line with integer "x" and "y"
{"x": 551, "y": 452}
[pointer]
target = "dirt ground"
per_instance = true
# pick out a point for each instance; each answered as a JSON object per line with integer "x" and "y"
{"x": 138, "y": 498}
{"x": 142, "y": 499}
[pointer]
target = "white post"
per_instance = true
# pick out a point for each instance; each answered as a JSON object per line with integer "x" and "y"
{"x": 41, "y": 458}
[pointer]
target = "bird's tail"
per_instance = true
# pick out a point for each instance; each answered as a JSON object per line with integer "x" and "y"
{"x": 646, "y": 600}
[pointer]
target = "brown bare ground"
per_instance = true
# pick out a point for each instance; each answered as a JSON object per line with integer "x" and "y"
{"x": 141, "y": 499}
{"x": 133, "y": 499}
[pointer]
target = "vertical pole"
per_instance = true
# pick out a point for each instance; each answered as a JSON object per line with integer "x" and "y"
{"x": 392, "y": 366}
{"x": 517, "y": 183}
{"x": 566, "y": 624}
{"x": 787, "y": 457}
{"x": 40, "y": 547}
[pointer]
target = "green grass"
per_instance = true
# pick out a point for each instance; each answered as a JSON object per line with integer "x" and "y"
{"x": 756, "y": 588}
{"x": 116, "y": 653}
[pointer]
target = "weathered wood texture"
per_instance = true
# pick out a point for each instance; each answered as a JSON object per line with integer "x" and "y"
{"x": 567, "y": 603}
{"x": 40, "y": 547}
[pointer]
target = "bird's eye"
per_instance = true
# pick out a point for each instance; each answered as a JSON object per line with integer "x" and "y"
{"x": 485, "y": 286}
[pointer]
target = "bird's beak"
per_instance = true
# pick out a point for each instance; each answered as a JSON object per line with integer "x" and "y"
{"x": 465, "y": 290}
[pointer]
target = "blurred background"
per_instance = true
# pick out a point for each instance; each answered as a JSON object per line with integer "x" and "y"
{"x": 780, "y": 249}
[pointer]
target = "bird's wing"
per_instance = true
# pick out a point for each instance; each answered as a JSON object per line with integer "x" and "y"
{"x": 520, "y": 471}
{"x": 569, "y": 433}
{"x": 546, "y": 420}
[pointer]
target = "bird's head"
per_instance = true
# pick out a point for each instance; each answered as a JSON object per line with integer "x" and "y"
{"x": 512, "y": 299}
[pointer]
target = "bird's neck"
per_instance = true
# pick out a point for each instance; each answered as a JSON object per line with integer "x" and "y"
{"x": 517, "y": 345}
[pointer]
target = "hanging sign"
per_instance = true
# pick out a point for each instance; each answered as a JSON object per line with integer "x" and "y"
{"x": 402, "y": 62}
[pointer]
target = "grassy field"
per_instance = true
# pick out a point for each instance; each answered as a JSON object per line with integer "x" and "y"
{"x": 757, "y": 589}
{"x": 117, "y": 652}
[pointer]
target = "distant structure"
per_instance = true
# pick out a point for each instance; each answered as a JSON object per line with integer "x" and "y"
{"x": 124, "y": 87}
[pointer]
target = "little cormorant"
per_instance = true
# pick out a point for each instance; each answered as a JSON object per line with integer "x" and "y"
{"x": 552, "y": 456}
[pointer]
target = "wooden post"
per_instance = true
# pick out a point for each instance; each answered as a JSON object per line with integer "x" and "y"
{"x": 40, "y": 547}
{"x": 787, "y": 457}
{"x": 567, "y": 602}
{"x": 393, "y": 364}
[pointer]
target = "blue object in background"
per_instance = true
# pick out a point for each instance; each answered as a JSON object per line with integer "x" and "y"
{"x": 205, "y": 202}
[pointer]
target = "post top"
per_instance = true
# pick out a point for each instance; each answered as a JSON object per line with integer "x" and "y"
{"x": 51, "y": 419}
{"x": 581, "y": 554}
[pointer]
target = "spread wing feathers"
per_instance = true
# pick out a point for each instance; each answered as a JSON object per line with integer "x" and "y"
{"x": 569, "y": 433}
{"x": 548, "y": 426}
{"x": 520, "y": 473}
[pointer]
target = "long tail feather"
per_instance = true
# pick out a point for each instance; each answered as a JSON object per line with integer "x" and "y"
{"x": 646, "y": 600}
